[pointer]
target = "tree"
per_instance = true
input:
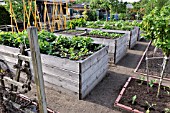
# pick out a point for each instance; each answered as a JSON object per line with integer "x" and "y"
{"x": 157, "y": 28}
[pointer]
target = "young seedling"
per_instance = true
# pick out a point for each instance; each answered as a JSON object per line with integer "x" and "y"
{"x": 151, "y": 83}
{"x": 134, "y": 99}
{"x": 149, "y": 106}
{"x": 168, "y": 93}
{"x": 167, "y": 110}
{"x": 141, "y": 79}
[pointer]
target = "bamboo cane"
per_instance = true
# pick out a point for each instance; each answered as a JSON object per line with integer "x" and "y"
{"x": 12, "y": 13}
{"x": 165, "y": 62}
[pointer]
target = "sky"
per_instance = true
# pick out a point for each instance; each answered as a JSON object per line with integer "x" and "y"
{"x": 130, "y": 0}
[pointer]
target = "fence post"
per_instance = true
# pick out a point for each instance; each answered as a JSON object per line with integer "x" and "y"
{"x": 37, "y": 67}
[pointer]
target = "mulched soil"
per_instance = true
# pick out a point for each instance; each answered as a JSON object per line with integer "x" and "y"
{"x": 135, "y": 88}
{"x": 71, "y": 32}
{"x": 154, "y": 64}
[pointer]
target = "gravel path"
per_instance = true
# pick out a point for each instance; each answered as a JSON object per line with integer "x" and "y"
{"x": 102, "y": 98}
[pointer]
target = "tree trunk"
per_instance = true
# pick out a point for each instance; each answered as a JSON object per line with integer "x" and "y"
{"x": 106, "y": 15}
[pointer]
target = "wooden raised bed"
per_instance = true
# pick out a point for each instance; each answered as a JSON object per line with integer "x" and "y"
{"x": 73, "y": 77}
{"x": 117, "y": 46}
{"x": 132, "y": 35}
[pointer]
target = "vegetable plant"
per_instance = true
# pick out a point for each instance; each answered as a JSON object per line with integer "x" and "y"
{"x": 134, "y": 99}
{"x": 76, "y": 48}
{"x": 105, "y": 34}
{"x": 149, "y": 106}
{"x": 141, "y": 80}
{"x": 151, "y": 83}
{"x": 76, "y": 22}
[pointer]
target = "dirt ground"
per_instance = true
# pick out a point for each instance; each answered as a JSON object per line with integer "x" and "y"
{"x": 102, "y": 97}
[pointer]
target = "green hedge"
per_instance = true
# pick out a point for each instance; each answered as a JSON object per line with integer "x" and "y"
{"x": 4, "y": 16}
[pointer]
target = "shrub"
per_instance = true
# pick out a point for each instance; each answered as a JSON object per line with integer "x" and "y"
{"x": 4, "y": 16}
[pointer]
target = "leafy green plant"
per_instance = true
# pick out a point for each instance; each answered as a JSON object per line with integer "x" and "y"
{"x": 76, "y": 22}
{"x": 167, "y": 110}
{"x": 142, "y": 78}
{"x": 75, "y": 48}
{"x": 134, "y": 99}
{"x": 149, "y": 106}
{"x": 157, "y": 29}
{"x": 105, "y": 34}
{"x": 151, "y": 83}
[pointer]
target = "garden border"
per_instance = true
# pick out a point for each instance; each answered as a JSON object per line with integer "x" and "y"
{"x": 117, "y": 104}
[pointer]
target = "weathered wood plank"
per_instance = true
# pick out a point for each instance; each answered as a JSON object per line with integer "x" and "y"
{"x": 37, "y": 67}
{"x": 62, "y": 90}
{"x": 9, "y": 59}
{"x": 60, "y": 62}
{"x": 84, "y": 28}
{"x": 122, "y": 41}
{"x": 87, "y": 83}
{"x": 85, "y": 75}
{"x": 120, "y": 56}
{"x": 115, "y": 31}
{"x": 61, "y": 82}
{"x": 67, "y": 35}
{"x": 97, "y": 80}
{"x": 95, "y": 57}
{"x": 9, "y": 49}
{"x": 55, "y": 71}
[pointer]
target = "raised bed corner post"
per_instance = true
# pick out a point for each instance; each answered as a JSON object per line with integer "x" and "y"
{"x": 37, "y": 67}
{"x": 165, "y": 62}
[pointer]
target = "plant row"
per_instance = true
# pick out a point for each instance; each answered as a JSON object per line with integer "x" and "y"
{"x": 75, "y": 48}
{"x": 105, "y": 34}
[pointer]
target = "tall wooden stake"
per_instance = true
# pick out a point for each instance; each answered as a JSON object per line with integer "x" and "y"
{"x": 37, "y": 67}
{"x": 147, "y": 69}
{"x": 162, "y": 73}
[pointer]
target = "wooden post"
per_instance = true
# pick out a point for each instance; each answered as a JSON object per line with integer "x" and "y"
{"x": 37, "y": 67}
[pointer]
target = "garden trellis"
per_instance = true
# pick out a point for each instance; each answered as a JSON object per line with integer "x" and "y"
{"x": 30, "y": 10}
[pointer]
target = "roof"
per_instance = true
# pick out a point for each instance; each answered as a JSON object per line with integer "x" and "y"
{"x": 79, "y": 5}
{"x": 2, "y": 2}
{"x": 57, "y": 0}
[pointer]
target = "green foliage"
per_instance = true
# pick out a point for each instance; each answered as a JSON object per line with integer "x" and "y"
{"x": 75, "y": 48}
{"x": 167, "y": 110}
{"x": 4, "y": 16}
{"x": 157, "y": 28}
{"x": 105, "y": 34}
{"x": 149, "y": 106}
{"x": 17, "y": 6}
{"x": 141, "y": 79}
{"x": 76, "y": 22}
{"x": 122, "y": 16}
{"x": 134, "y": 99}
{"x": 92, "y": 15}
{"x": 151, "y": 83}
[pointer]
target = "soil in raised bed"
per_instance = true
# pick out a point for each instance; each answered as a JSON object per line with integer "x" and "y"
{"x": 135, "y": 88}
{"x": 154, "y": 64}
{"x": 71, "y": 32}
